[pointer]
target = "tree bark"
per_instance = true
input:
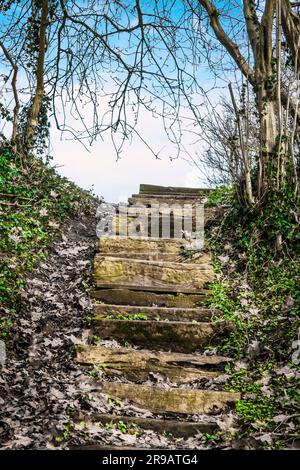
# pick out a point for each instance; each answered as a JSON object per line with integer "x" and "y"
{"x": 245, "y": 155}
{"x": 291, "y": 29}
{"x": 33, "y": 115}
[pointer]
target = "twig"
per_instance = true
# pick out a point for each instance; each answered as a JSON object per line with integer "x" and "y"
{"x": 17, "y": 196}
{"x": 2, "y": 203}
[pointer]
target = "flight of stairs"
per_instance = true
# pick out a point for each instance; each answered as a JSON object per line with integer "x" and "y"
{"x": 150, "y": 295}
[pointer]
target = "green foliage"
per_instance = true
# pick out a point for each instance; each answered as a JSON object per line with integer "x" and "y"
{"x": 113, "y": 401}
{"x": 130, "y": 316}
{"x": 67, "y": 429}
{"x": 5, "y": 324}
{"x": 258, "y": 289}
{"x": 252, "y": 411}
{"x": 220, "y": 195}
{"x": 95, "y": 340}
{"x": 122, "y": 427}
{"x": 34, "y": 201}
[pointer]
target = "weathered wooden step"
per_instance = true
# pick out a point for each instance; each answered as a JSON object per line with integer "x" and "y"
{"x": 175, "y": 336}
{"x": 154, "y": 189}
{"x": 149, "y": 248}
{"x": 121, "y": 272}
{"x": 115, "y": 245}
{"x": 175, "y": 196}
{"x": 142, "y": 244}
{"x": 143, "y": 298}
{"x": 171, "y": 426}
{"x": 138, "y": 365}
{"x": 138, "y": 221}
{"x": 166, "y": 290}
{"x": 170, "y": 200}
{"x": 197, "y": 258}
{"x": 155, "y": 256}
{"x": 173, "y": 400}
{"x": 153, "y": 313}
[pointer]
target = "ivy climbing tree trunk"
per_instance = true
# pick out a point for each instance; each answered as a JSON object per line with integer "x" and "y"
{"x": 33, "y": 114}
{"x": 265, "y": 87}
{"x": 262, "y": 77}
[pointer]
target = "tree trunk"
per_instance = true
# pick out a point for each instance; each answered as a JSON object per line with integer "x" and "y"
{"x": 33, "y": 114}
{"x": 268, "y": 137}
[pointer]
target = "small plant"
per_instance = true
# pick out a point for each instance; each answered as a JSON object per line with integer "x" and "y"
{"x": 132, "y": 316}
{"x": 5, "y": 324}
{"x": 95, "y": 340}
{"x": 208, "y": 437}
{"x": 92, "y": 373}
{"x": 113, "y": 401}
{"x": 103, "y": 367}
{"x": 67, "y": 429}
{"x": 122, "y": 427}
{"x": 70, "y": 410}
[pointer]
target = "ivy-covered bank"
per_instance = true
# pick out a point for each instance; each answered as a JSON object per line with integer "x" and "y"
{"x": 34, "y": 203}
{"x": 258, "y": 288}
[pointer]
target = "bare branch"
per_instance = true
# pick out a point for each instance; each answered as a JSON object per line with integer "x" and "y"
{"x": 231, "y": 47}
{"x": 14, "y": 89}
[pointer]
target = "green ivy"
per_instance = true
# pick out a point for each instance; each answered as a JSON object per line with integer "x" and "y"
{"x": 34, "y": 201}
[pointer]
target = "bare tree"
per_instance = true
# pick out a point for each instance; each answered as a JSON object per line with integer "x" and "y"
{"x": 229, "y": 131}
{"x": 117, "y": 57}
{"x": 113, "y": 57}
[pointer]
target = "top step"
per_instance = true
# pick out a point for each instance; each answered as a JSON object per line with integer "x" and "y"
{"x": 146, "y": 189}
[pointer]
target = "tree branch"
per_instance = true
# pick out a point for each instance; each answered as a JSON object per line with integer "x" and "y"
{"x": 291, "y": 29}
{"x": 231, "y": 47}
{"x": 14, "y": 89}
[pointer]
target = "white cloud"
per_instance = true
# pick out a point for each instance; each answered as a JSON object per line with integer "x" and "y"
{"x": 117, "y": 180}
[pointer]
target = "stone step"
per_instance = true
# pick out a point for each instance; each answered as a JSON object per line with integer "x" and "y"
{"x": 172, "y": 400}
{"x": 153, "y": 313}
{"x": 140, "y": 298}
{"x": 179, "y": 277}
{"x": 154, "y": 189}
{"x": 174, "y": 427}
{"x": 139, "y": 365}
{"x": 174, "y": 336}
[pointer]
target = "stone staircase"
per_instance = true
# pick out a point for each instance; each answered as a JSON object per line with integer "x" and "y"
{"x": 152, "y": 298}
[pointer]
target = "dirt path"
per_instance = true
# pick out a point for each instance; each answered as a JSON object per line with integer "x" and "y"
{"x": 37, "y": 382}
